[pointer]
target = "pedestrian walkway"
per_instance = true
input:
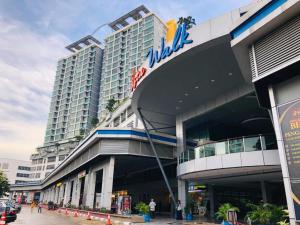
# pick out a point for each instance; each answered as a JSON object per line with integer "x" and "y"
{"x": 55, "y": 218}
{"x": 25, "y": 217}
{"x": 167, "y": 221}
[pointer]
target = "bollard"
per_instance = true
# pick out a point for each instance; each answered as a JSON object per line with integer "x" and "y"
{"x": 108, "y": 222}
{"x": 88, "y": 216}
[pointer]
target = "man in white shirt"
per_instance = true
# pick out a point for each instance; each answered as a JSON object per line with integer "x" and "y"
{"x": 152, "y": 205}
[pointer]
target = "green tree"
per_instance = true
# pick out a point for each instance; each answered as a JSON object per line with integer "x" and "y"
{"x": 82, "y": 131}
{"x": 189, "y": 21}
{"x": 94, "y": 122}
{"x": 4, "y": 186}
{"x": 81, "y": 135}
{"x": 111, "y": 105}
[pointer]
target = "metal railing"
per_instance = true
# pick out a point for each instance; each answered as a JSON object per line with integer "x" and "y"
{"x": 229, "y": 146}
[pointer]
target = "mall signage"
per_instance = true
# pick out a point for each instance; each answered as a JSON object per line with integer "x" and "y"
{"x": 137, "y": 76}
{"x": 179, "y": 41}
{"x": 290, "y": 127}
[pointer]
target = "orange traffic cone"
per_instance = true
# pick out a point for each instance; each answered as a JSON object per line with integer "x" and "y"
{"x": 88, "y": 216}
{"x": 59, "y": 210}
{"x": 108, "y": 220}
{"x": 3, "y": 219}
{"x": 76, "y": 213}
{"x": 66, "y": 212}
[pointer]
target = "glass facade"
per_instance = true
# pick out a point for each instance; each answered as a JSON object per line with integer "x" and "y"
{"x": 243, "y": 144}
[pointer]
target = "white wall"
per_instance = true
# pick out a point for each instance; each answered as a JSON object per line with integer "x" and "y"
{"x": 10, "y": 169}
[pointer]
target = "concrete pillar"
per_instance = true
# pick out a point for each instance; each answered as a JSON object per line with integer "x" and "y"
{"x": 263, "y": 191}
{"x": 67, "y": 192}
{"x": 180, "y": 135}
{"x": 51, "y": 194}
{"x": 56, "y": 194}
{"x": 90, "y": 189}
{"x": 48, "y": 195}
{"x": 76, "y": 192}
{"x": 61, "y": 193}
{"x": 182, "y": 192}
{"x": 107, "y": 183}
{"x": 42, "y": 196}
{"x": 282, "y": 156}
{"x": 211, "y": 201}
{"x": 86, "y": 184}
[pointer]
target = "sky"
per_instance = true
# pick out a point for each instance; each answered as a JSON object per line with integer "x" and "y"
{"x": 33, "y": 34}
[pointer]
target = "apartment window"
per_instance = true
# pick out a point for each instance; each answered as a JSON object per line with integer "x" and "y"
{"x": 24, "y": 168}
{"x": 22, "y": 175}
{"x": 61, "y": 157}
{"x": 20, "y": 181}
{"x": 51, "y": 159}
{"x": 50, "y": 167}
{"x": 39, "y": 168}
{"x": 37, "y": 175}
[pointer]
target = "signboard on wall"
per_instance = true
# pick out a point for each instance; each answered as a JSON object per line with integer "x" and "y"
{"x": 289, "y": 119}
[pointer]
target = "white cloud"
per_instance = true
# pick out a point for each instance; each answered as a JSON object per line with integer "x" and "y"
{"x": 27, "y": 70}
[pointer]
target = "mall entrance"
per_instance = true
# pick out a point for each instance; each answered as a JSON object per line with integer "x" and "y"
{"x": 140, "y": 179}
{"x": 238, "y": 191}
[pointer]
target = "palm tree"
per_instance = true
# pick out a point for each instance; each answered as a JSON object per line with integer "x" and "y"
{"x": 111, "y": 105}
{"x": 189, "y": 21}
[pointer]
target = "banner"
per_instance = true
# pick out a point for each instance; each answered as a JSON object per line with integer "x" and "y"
{"x": 289, "y": 119}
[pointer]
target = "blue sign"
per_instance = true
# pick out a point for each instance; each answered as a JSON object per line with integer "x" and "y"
{"x": 180, "y": 39}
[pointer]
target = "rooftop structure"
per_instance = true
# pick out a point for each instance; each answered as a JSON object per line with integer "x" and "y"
{"x": 134, "y": 14}
{"x": 83, "y": 42}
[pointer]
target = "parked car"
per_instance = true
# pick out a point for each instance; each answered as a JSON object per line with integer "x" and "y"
{"x": 9, "y": 212}
{"x": 14, "y": 205}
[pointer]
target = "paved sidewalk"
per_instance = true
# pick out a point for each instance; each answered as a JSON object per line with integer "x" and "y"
{"x": 55, "y": 218}
{"x": 25, "y": 217}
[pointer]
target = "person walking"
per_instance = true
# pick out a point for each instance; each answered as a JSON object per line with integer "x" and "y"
{"x": 32, "y": 205}
{"x": 152, "y": 205}
{"x": 40, "y": 207}
{"x": 178, "y": 211}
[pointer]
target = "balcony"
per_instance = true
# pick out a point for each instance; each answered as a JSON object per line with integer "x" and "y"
{"x": 239, "y": 155}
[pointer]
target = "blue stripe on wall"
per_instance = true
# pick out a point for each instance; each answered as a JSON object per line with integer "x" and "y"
{"x": 257, "y": 17}
{"x": 136, "y": 133}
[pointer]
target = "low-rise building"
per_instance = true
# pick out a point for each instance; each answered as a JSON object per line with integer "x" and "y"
{"x": 17, "y": 171}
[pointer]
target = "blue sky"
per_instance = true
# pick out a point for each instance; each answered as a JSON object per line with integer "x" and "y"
{"x": 33, "y": 35}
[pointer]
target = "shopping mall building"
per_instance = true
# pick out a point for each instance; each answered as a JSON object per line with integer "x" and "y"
{"x": 224, "y": 96}
{"x": 231, "y": 89}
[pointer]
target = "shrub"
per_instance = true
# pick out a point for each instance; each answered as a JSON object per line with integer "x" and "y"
{"x": 103, "y": 210}
{"x": 223, "y": 209}
{"x": 142, "y": 208}
{"x": 265, "y": 213}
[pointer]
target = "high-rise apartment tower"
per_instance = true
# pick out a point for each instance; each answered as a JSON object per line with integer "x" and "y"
{"x": 126, "y": 49}
{"x": 75, "y": 96}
